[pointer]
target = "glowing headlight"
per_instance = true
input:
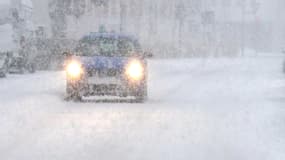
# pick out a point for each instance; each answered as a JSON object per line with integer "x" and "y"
{"x": 135, "y": 70}
{"x": 74, "y": 70}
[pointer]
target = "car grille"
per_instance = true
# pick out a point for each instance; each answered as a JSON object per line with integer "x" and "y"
{"x": 105, "y": 73}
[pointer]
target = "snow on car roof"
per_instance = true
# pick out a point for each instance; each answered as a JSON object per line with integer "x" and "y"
{"x": 93, "y": 36}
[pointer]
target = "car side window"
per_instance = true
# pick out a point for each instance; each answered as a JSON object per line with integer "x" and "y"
{"x": 126, "y": 47}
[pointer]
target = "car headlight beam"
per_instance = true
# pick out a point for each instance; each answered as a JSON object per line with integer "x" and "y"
{"x": 74, "y": 70}
{"x": 135, "y": 70}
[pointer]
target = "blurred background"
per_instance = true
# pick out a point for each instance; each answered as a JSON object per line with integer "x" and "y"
{"x": 174, "y": 27}
{"x": 168, "y": 28}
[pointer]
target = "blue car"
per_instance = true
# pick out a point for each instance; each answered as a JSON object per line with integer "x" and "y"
{"x": 107, "y": 64}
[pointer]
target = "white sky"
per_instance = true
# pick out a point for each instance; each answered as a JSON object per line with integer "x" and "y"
{"x": 4, "y": 2}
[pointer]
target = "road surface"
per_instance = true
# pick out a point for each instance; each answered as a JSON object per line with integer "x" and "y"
{"x": 209, "y": 109}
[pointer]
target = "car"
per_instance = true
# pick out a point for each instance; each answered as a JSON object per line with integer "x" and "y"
{"x": 19, "y": 65}
{"x": 3, "y": 64}
{"x": 16, "y": 65}
{"x": 107, "y": 64}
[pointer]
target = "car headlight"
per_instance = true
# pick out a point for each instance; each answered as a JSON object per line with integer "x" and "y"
{"x": 135, "y": 70}
{"x": 74, "y": 70}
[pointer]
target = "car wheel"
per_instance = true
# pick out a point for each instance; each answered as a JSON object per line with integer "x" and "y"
{"x": 74, "y": 98}
{"x": 142, "y": 96}
{"x": 72, "y": 93}
{"x": 69, "y": 89}
{"x": 140, "y": 99}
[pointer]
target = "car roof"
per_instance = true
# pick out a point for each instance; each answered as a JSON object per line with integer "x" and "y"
{"x": 95, "y": 36}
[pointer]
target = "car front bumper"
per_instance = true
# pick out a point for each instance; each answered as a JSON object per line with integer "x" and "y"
{"x": 107, "y": 86}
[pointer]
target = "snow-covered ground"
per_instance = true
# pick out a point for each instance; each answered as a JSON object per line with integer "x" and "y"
{"x": 213, "y": 109}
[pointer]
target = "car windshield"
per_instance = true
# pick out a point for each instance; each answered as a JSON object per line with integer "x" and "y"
{"x": 108, "y": 47}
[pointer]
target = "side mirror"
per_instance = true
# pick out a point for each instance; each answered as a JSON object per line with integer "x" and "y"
{"x": 148, "y": 55}
{"x": 66, "y": 54}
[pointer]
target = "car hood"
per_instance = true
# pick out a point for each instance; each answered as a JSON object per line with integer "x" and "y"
{"x": 103, "y": 63}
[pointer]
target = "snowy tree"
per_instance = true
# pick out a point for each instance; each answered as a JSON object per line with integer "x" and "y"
{"x": 123, "y": 16}
{"x": 256, "y": 32}
{"x": 57, "y": 13}
{"x": 180, "y": 15}
{"x": 78, "y": 8}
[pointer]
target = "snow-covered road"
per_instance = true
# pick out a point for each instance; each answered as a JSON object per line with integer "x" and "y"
{"x": 213, "y": 109}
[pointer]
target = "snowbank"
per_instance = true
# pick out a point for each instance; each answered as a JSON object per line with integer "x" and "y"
{"x": 213, "y": 109}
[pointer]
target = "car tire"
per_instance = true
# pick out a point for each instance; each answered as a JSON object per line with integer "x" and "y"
{"x": 140, "y": 99}
{"x": 142, "y": 96}
{"x": 72, "y": 94}
{"x": 76, "y": 98}
{"x": 69, "y": 89}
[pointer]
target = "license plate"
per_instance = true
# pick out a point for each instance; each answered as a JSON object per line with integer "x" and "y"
{"x": 104, "y": 80}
